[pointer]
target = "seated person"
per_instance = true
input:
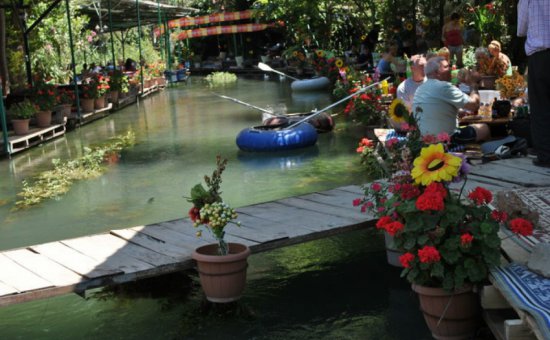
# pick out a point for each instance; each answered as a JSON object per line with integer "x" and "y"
{"x": 388, "y": 58}
{"x": 463, "y": 77}
{"x": 483, "y": 58}
{"x": 500, "y": 63}
{"x": 437, "y": 102}
{"x": 364, "y": 59}
{"x": 407, "y": 88}
{"x": 445, "y": 53}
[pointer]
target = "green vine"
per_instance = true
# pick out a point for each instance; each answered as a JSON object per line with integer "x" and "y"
{"x": 56, "y": 182}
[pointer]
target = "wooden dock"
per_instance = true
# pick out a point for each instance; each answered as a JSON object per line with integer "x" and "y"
{"x": 34, "y": 137}
{"x": 75, "y": 265}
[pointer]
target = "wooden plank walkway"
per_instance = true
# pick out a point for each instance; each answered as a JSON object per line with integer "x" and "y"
{"x": 123, "y": 255}
{"x": 75, "y": 265}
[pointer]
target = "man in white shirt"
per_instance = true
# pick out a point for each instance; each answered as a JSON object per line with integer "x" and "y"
{"x": 406, "y": 90}
{"x": 439, "y": 102}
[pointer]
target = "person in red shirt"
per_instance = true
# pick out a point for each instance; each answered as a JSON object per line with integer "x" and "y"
{"x": 452, "y": 33}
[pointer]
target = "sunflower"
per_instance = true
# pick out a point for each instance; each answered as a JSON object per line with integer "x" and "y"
{"x": 409, "y": 26}
{"x": 398, "y": 111}
{"x": 320, "y": 53}
{"x": 435, "y": 165}
{"x": 363, "y": 37}
{"x": 339, "y": 63}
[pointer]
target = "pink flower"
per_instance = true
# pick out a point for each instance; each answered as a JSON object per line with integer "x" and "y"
{"x": 443, "y": 137}
{"x": 356, "y": 202}
{"x": 376, "y": 187}
{"x": 391, "y": 142}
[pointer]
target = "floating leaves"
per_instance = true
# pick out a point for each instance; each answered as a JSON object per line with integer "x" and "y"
{"x": 52, "y": 184}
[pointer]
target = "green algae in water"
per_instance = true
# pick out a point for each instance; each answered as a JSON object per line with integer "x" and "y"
{"x": 56, "y": 182}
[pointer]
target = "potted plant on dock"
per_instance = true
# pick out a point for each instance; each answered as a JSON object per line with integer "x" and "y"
{"x": 65, "y": 100}
{"x": 102, "y": 88}
{"x": 119, "y": 85}
{"x": 21, "y": 114}
{"x": 88, "y": 93}
{"x": 44, "y": 97}
{"x": 449, "y": 243}
{"x": 222, "y": 266}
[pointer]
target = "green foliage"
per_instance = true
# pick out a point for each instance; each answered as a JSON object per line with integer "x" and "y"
{"x": 56, "y": 182}
{"x": 118, "y": 81}
{"x": 23, "y": 110}
{"x": 208, "y": 207}
{"x": 221, "y": 78}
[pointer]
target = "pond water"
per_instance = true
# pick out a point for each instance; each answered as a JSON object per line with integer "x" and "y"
{"x": 179, "y": 132}
{"x": 339, "y": 287}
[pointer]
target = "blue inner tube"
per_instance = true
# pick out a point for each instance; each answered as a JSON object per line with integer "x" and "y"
{"x": 276, "y": 137}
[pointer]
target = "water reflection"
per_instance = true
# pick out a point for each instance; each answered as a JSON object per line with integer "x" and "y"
{"x": 333, "y": 288}
{"x": 283, "y": 160}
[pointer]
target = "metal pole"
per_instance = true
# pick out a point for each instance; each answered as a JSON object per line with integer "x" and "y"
{"x": 112, "y": 38}
{"x": 73, "y": 64}
{"x": 160, "y": 33}
{"x": 139, "y": 45}
{"x": 4, "y": 125}
{"x": 26, "y": 49}
{"x": 167, "y": 44}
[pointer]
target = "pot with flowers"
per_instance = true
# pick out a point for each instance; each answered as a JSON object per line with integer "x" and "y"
{"x": 21, "y": 114}
{"x": 119, "y": 85}
{"x": 87, "y": 92}
{"x": 449, "y": 242}
{"x": 102, "y": 88}
{"x": 65, "y": 100}
{"x": 43, "y": 96}
{"x": 222, "y": 266}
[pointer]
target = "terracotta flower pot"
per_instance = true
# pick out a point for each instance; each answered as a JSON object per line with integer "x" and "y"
{"x": 99, "y": 103}
{"x": 223, "y": 277}
{"x": 20, "y": 126}
{"x": 449, "y": 315}
{"x": 87, "y": 104}
{"x": 114, "y": 95}
{"x": 43, "y": 118}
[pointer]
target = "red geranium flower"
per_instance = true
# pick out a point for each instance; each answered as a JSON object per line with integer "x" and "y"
{"x": 430, "y": 201}
{"x": 382, "y": 221}
{"x": 438, "y": 188}
{"x": 406, "y": 260}
{"x": 481, "y": 196}
{"x": 499, "y": 216}
{"x": 394, "y": 227}
{"x": 521, "y": 226}
{"x": 194, "y": 214}
{"x": 429, "y": 254}
{"x": 466, "y": 239}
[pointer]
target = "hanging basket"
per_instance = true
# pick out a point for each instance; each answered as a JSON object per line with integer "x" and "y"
{"x": 223, "y": 277}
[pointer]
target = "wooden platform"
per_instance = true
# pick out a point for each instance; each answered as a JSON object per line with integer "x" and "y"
{"x": 34, "y": 137}
{"x": 87, "y": 117}
{"x": 75, "y": 265}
